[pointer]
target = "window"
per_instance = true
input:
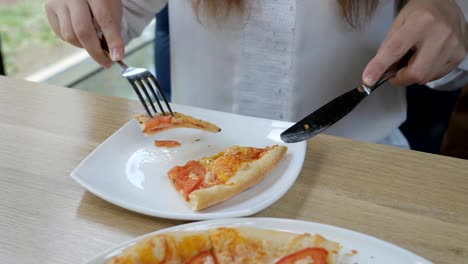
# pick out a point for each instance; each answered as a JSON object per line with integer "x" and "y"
{"x": 32, "y": 51}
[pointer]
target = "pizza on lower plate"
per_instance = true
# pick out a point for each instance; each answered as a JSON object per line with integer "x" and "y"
{"x": 211, "y": 180}
{"x": 231, "y": 245}
{"x": 158, "y": 123}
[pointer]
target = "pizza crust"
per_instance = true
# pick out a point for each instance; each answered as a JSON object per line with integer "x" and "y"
{"x": 182, "y": 121}
{"x": 245, "y": 178}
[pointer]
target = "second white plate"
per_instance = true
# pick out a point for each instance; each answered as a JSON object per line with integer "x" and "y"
{"x": 127, "y": 170}
{"x": 357, "y": 247}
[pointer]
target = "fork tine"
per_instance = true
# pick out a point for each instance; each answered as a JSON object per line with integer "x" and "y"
{"x": 142, "y": 100}
{"x": 161, "y": 92}
{"x": 147, "y": 94}
{"x": 150, "y": 87}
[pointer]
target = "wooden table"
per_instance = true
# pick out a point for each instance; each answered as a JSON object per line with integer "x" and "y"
{"x": 415, "y": 200}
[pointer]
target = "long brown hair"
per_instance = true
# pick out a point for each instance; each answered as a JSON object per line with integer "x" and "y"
{"x": 354, "y": 11}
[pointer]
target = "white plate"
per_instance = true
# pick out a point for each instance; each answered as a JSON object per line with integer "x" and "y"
{"x": 127, "y": 170}
{"x": 368, "y": 249}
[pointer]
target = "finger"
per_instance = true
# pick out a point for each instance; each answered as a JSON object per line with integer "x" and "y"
{"x": 446, "y": 65}
{"x": 53, "y": 19}
{"x": 435, "y": 59}
{"x": 86, "y": 33}
{"x": 421, "y": 69}
{"x": 455, "y": 59}
{"x": 108, "y": 17}
{"x": 458, "y": 51}
{"x": 66, "y": 28}
{"x": 395, "y": 46}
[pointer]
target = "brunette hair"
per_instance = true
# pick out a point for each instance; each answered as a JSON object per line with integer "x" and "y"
{"x": 354, "y": 11}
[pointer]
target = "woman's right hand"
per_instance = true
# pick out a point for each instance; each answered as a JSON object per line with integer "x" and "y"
{"x": 72, "y": 21}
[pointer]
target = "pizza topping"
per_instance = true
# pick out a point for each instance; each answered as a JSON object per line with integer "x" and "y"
{"x": 225, "y": 245}
{"x": 205, "y": 257}
{"x": 193, "y": 176}
{"x": 158, "y": 122}
{"x": 234, "y": 158}
{"x": 225, "y": 164}
{"x": 166, "y": 143}
{"x": 152, "y": 250}
{"x": 306, "y": 256}
{"x": 209, "y": 179}
{"x": 187, "y": 178}
{"x": 230, "y": 246}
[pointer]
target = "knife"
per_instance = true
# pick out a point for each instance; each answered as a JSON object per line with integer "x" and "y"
{"x": 327, "y": 115}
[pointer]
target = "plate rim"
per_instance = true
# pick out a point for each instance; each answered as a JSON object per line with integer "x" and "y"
{"x": 194, "y": 216}
{"x": 282, "y": 224}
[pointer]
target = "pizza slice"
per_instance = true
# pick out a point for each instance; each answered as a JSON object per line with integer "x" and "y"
{"x": 231, "y": 245}
{"x": 211, "y": 180}
{"x": 161, "y": 122}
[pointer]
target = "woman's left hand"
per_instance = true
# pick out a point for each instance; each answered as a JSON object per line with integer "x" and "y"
{"x": 435, "y": 29}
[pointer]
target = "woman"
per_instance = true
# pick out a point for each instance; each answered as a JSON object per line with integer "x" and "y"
{"x": 284, "y": 59}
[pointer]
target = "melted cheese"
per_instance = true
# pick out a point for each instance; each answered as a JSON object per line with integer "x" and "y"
{"x": 190, "y": 246}
{"x": 225, "y": 164}
{"x": 209, "y": 178}
{"x": 231, "y": 247}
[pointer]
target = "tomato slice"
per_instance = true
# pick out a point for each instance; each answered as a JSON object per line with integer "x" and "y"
{"x": 316, "y": 255}
{"x": 202, "y": 258}
{"x": 166, "y": 143}
{"x": 187, "y": 178}
{"x": 158, "y": 122}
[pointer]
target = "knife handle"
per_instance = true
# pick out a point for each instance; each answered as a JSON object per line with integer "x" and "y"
{"x": 403, "y": 62}
{"x": 389, "y": 73}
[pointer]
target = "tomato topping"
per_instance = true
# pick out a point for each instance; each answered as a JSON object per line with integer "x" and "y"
{"x": 158, "y": 122}
{"x": 166, "y": 143}
{"x": 202, "y": 258}
{"x": 187, "y": 178}
{"x": 316, "y": 255}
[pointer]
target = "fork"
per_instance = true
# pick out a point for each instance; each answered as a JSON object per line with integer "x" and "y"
{"x": 141, "y": 79}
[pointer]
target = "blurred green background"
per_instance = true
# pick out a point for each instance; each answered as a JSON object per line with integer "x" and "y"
{"x": 28, "y": 43}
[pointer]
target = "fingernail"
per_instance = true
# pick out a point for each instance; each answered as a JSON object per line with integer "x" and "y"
{"x": 369, "y": 80}
{"x": 116, "y": 54}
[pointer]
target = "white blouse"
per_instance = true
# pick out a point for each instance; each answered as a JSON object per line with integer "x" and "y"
{"x": 282, "y": 61}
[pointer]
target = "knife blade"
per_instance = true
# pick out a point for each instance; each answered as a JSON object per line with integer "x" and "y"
{"x": 333, "y": 111}
{"x": 324, "y": 117}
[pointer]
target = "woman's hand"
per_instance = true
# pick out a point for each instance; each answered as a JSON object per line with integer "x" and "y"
{"x": 72, "y": 21}
{"x": 435, "y": 29}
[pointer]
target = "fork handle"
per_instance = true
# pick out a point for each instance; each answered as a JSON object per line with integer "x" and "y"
{"x": 103, "y": 42}
{"x": 105, "y": 48}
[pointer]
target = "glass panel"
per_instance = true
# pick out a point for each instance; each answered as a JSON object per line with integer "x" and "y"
{"x": 111, "y": 82}
{"x": 32, "y": 51}
{"x": 28, "y": 43}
